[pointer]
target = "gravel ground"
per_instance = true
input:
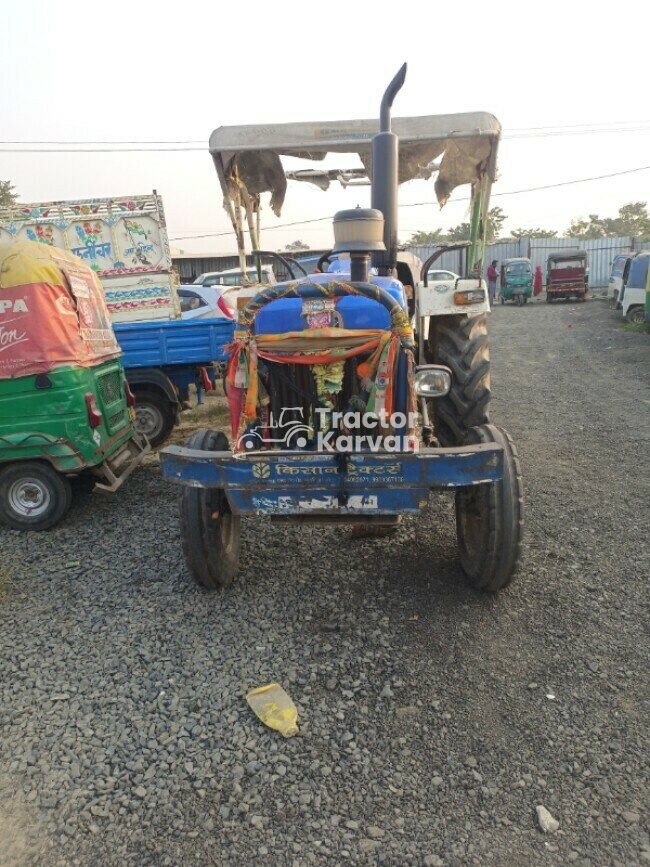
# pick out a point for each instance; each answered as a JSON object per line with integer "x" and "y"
{"x": 434, "y": 721}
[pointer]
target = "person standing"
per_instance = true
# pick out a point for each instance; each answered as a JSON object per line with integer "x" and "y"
{"x": 492, "y": 276}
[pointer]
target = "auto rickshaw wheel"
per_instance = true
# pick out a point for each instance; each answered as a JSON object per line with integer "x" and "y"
{"x": 489, "y": 519}
{"x": 461, "y": 344}
{"x": 520, "y": 300}
{"x": 155, "y": 417}
{"x": 33, "y": 496}
{"x": 549, "y": 298}
{"x": 210, "y": 533}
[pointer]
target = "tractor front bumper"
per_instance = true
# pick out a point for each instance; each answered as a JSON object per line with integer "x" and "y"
{"x": 300, "y": 483}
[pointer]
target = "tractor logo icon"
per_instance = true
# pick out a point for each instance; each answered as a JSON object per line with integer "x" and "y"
{"x": 261, "y": 471}
{"x": 288, "y": 432}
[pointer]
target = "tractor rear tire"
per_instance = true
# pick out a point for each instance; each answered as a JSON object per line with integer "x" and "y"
{"x": 461, "y": 344}
{"x": 210, "y": 532}
{"x": 490, "y": 521}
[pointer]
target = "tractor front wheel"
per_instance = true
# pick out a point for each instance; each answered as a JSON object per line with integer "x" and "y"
{"x": 210, "y": 532}
{"x": 489, "y": 519}
{"x": 461, "y": 344}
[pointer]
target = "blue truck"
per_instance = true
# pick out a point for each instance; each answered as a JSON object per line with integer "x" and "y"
{"x": 162, "y": 359}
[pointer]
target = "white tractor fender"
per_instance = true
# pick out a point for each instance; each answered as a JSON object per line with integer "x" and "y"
{"x": 438, "y": 299}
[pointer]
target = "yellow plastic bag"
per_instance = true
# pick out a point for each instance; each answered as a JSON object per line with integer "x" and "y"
{"x": 274, "y": 708}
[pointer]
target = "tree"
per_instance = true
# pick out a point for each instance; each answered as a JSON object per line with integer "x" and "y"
{"x": 495, "y": 220}
{"x": 7, "y": 195}
{"x": 422, "y": 238}
{"x": 296, "y": 246}
{"x": 632, "y": 220}
{"x": 460, "y": 232}
{"x": 533, "y": 233}
{"x": 591, "y": 228}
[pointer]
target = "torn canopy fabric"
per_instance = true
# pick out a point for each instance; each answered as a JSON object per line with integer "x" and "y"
{"x": 459, "y": 148}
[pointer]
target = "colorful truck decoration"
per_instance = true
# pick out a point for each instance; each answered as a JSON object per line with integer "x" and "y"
{"x": 123, "y": 240}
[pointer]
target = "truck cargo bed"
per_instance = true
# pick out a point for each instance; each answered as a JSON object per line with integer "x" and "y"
{"x": 176, "y": 342}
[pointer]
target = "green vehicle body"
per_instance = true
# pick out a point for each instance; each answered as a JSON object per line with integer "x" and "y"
{"x": 516, "y": 280}
{"x": 45, "y": 417}
{"x": 65, "y": 406}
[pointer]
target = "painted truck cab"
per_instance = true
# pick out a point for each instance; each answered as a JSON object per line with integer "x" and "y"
{"x": 65, "y": 407}
{"x": 567, "y": 275}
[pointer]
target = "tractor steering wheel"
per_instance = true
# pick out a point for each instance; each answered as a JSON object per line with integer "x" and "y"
{"x": 326, "y": 257}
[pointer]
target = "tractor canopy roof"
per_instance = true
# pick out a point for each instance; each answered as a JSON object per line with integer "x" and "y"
{"x": 460, "y": 148}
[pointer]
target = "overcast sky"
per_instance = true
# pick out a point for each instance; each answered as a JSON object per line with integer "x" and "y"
{"x": 170, "y": 71}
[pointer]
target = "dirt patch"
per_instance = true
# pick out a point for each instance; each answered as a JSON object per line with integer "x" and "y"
{"x": 21, "y": 844}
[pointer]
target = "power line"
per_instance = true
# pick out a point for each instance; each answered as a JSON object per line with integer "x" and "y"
{"x": 544, "y": 187}
{"x": 146, "y": 150}
{"x": 422, "y": 204}
{"x": 576, "y": 132}
{"x": 182, "y": 145}
{"x": 264, "y": 228}
{"x": 180, "y": 142}
{"x": 576, "y": 125}
{"x": 578, "y": 181}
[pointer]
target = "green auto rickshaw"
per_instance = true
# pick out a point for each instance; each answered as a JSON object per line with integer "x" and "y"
{"x": 65, "y": 406}
{"x": 516, "y": 280}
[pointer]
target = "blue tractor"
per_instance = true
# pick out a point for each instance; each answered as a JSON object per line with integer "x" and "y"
{"x": 355, "y": 393}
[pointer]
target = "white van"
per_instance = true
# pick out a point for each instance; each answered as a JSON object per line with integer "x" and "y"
{"x": 634, "y": 295}
{"x": 618, "y": 277}
{"x": 634, "y": 305}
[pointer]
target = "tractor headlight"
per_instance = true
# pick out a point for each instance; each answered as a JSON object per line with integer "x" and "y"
{"x": 471, "y": 296}
{"x": 432, "y": 380}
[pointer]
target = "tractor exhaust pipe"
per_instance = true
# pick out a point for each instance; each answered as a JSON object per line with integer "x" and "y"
{"x": 385, "y": 179}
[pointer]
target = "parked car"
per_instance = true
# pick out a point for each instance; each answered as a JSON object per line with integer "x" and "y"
{"x": 619, "y": 276}
{"x": 197, "y": 302}
{"x": 233, "y": 277}
{"x": 309, "y": 263}
{"x": 434, "y": 276}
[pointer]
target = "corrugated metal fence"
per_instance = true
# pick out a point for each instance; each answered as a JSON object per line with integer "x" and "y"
{"x": 600, "y": 252}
